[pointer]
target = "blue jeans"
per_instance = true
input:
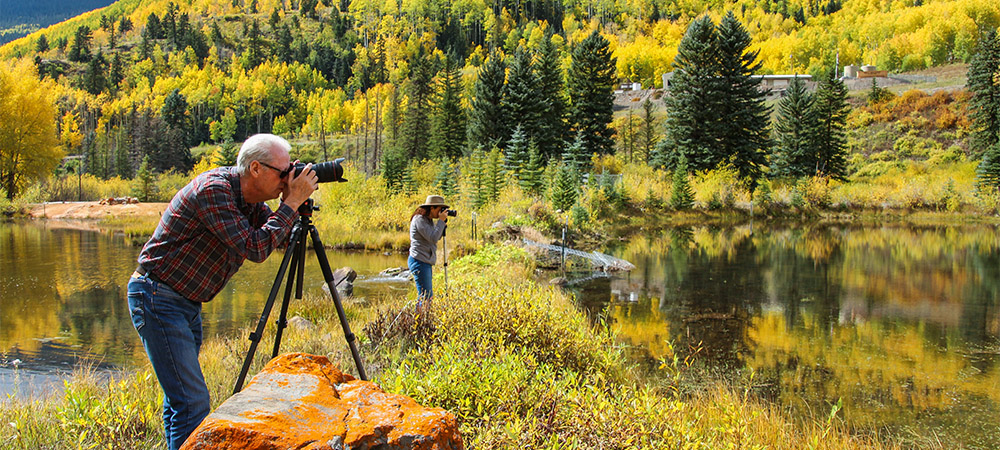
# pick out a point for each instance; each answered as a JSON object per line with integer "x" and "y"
{"x": 422, "y": 276}
{"x": 170, "y": 328}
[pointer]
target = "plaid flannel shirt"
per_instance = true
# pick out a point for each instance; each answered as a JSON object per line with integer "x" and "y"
{"x": 206, "y": 233}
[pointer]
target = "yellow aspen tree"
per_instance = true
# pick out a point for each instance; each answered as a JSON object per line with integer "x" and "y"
{"x": 29, "y": 143}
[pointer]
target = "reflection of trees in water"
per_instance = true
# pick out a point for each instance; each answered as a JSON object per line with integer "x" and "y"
{"x": 901, "y": 322}
{"x": 978, "y": 322}
{"x": 89, "y": 317}
{"x": 711, "y": 299}
{"x": 804, "y": 272}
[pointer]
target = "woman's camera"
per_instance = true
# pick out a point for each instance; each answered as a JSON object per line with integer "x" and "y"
{"x": 452, "y": 213}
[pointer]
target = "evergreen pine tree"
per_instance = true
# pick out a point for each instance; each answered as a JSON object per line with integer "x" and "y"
{"x": 393, "y": 166}
{"x": 283, "y": 45}
{"x": 831, "y": 142}
{"x": 565, "y": 189}
{"x": 42, "y": 45}
{"x": 794, "y": 129}
{"x": 477, "y": 179}
{"x": 681, "y": 197}
{"x": 275, "y": 19}
{"x": 663, "y": 155}
{"x": 198, "y": 42}
{"x": 448, "y": 121}
{"x": 146, "y": 44}
{"x": 576, "y": 155}
{"x": 552, "y": 132}
{"x": 445, "y": 179}
{"x": 117, "y": 72}
{"x": 227, "y": 155}
{"x": 487, "y": 122}
{"x": 693, "y": 105}
{"x": 255, "y": 47}
{"x": 494, "y": 175}
{"x": 878, "y": 94}
{"x": 409, "y": 180}
{"x": 416, "y": 126}
{"x": 174, "y": 109}
{"x": 144, "y": 184}
{"x": 591, "y": 84}
{"x": 988, "y": 171}
{"x": 530, "y": 179}
{"x": 984, "y": 83}
{"x": 521, "y": 101}
{"x": 647, "y": 133}
{"x": 183, "y": 38}
{"x": 744, "y": 134}
{"x": 94, "y": 80}
{"x": 80, "y": 50}
{"x": 515, "y": 156}
{"x": 218, "y": 39}
{"x": 153, "y": 26}
{"x": 124, "y": 25}
{"x": 170, "y": 22}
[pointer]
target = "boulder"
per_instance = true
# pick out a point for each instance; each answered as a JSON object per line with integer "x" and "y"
{"x": 343, "y": 278}
{"x": 301, "y": 323}
{"x": 302, "y": 401}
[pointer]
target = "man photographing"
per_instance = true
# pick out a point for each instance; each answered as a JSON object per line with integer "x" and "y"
{"x": 210, "y": 227}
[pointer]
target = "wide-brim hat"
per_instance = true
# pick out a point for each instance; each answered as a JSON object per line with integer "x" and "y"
{"x": 434, "y": 200}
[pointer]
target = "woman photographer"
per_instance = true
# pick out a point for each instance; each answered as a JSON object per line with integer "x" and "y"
{"x": 424, "y": 234}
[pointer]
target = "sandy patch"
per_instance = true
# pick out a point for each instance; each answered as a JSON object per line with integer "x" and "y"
{"x": 94, "y": 210}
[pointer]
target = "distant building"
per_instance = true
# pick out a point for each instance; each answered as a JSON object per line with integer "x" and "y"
{"x": 779, "y": 82}
{"x": 768, "y": 82}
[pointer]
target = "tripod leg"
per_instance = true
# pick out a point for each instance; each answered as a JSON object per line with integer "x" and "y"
{"x": 294, "y": 278}
{"x": 328, "y": 276}
{"x": 258, "y": 332}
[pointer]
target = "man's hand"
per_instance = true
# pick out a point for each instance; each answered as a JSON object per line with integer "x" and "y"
{"x": 299, "y": 188}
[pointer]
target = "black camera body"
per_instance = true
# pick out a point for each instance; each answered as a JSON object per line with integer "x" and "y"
{"x": 326, "y": 171}
{"x": 452, "y": 213}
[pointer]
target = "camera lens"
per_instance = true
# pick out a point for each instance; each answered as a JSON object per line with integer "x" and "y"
{"x": 325, "y": 171}
{"x": 452, "y": 213}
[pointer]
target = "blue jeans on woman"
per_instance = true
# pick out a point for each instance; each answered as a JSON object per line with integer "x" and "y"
{"x": 170, "y": 328}
{"x": 422, "y": 276}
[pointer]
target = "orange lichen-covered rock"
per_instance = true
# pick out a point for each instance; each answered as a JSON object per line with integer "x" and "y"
{"x": 301, "y": 401}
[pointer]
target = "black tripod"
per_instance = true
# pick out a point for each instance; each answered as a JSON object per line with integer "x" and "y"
{"x": 296, "y": 253}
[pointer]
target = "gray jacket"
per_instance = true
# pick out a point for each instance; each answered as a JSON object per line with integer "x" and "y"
{"x": 424, "y": 234}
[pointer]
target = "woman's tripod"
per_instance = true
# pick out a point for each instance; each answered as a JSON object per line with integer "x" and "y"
{"x": 296, "y": 253}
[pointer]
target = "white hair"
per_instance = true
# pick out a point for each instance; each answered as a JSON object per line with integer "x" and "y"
{"x": 258, "y": 148}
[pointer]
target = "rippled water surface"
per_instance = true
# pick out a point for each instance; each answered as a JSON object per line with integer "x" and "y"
{"x": 62, "y": 300}
{"x": 899, "y": 323}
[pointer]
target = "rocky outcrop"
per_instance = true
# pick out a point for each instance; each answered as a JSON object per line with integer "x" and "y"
{"x": 302, "y": 401}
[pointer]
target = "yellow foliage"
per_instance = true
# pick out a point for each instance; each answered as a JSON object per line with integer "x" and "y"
{"x": 29, "y": 143}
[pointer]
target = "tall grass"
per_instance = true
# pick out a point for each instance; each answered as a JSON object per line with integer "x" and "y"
{"x": 92, "y": 412}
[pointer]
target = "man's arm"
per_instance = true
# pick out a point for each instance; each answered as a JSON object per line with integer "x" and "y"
{"x": 217, "y": 210}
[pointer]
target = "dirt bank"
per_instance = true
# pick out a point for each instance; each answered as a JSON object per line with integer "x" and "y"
{"x": 94, "y": 210}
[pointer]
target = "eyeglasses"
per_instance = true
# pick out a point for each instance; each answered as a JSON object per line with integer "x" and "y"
{"x": 281, "y": 173}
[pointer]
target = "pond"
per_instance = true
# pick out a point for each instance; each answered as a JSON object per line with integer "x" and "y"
{"x": 900, "y": 324}
{"x": 62, "y": 300}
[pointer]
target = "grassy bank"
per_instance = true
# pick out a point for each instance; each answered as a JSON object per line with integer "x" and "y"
{"x": 514, "y": 360}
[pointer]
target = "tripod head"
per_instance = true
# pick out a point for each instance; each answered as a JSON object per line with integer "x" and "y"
{"x": 307, "y": 207}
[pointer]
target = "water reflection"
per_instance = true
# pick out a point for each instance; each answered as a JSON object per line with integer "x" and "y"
{"x": 901, "y": 323}
{"x": 62, "y": 299}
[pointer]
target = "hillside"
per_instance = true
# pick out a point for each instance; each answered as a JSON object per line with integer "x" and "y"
{"x": 18, "y": 19}
{"x": 155, "y": 78}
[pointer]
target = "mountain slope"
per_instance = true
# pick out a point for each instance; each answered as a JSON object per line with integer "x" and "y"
{"x": 18, "y": 18}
